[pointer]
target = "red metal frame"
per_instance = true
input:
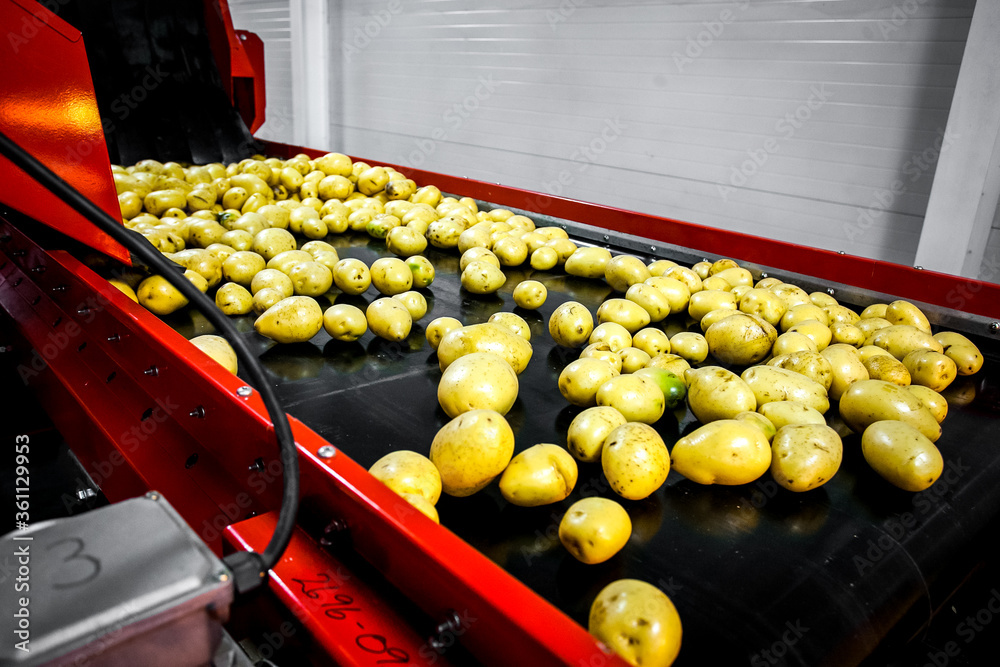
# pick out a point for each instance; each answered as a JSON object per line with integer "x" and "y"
{"x": 143, "y": 409}
{"x": 48, "y": 107}
{"x": 239, "y": 55}
{"x": 964, "y": 294}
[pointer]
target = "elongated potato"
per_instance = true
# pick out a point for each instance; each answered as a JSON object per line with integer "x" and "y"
{"x": 784, "y": 413}
{"x": 727, "y": 451}
{"x": 933, "y": 401}
{"x": 902, "y": 454}
{"x": 868, "y": 401}
{"x": 486, "y": 337}
{"x": 705, "y": 301}
{"x": 901, "y": 339}
{"x": 770, "y": 383}
{"x": 904, "y": 312}
{"x": 967, "y": 357}
{"x": 887, "y": 367}
{"x": 588, "y": 262}
{"x": 627, "y": 313}
{"x": 847, "y": 368}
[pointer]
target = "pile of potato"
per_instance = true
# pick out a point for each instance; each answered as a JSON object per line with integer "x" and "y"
{"x": 762, "y": 376}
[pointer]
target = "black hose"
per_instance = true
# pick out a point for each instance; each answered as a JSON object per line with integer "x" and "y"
{"x": 249, "y": 569}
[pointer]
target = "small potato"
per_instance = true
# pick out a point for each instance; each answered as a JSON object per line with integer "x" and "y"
{"x": 274, "y": 279}
{"x": 345, "y": 322}
{"x": 269, "y": 242}
{"x": 414, "y": 302}
{"x": 740, "y": 339}
{"x": 735, "y": 276}
{"x": 727, "y": 451}
{"x": 633, "y": 359}
{"x": 902, "y": 455}
{"x": 659, "y": 266}
{"x": 587, "y": 262}
{"x": 544, "y": 258}
{"x": 652, "y": 300}
{"x": 405, "y": 471}
{"x": 930, "y": 399}
{"x": 637, "y": 621}
{"x": 869, "y": 325}
{"x": 403, "y": 242}
{"x": 875, "y": 310}
{"x": 265, "y": 298}
{"x": 868, "y": 401}
{"x": 563, "y": 247}
{"x": 867, "y": 351}
{"x": 805, "y": 456}
{"x": 571, "y": 324}
{"x": 652, "y": 341}
{"x": 717, "y": 393}
{"x": 540, "y": 475}
{"x": 713, "y": 316}
{"x": 388, "y": 318}
{"x": 391, "y": 276}
{"x": 635, "y": 460}
{"x": 623, "y": 271}
{"x": 847, "y": 334}
{"x": 685, "y": 275}
{"x": 603, "y": 352}
{"x": 847, "y": 368}
{"x": 677, "y": 293}
{"x": 822, "y": 299}
{"x": 638, "y": 398}
{"x": 904, "y": 312}
{"x": 477, "y": 381}
{"x": 471, "y": 450}
{"x": 485, "y": 337}
{"x": 158, "y": 296}
{"x": 691, "y": 346}
{"x": 311, "y": 279}
{"x": 838, "y": 314}
{"x": 352, "y": 276}
{"x": 530, "y": 294}
{"x": 792, "y": 295}
{"x": 627, "y": 313}
{"x": 615, "y": 335}
{"x": 931, "y": 369}
{"x": 771, "y": 383}
{"x": 284, "y": 261}
{"x": 887, "y": 367}
{"x": 594, "y": 529}
{"x": 589, "y": 429}
{"x": 784, "y": 413}
{"x": 219, "y": 349}
{"x": 438, "y": 328}
{"x": 967, "y": 357}
{"x": 233, "y": 299}
{"x": 511, "y": 251}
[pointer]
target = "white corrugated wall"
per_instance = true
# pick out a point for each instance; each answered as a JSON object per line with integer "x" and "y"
{"x": 811, "y": 121}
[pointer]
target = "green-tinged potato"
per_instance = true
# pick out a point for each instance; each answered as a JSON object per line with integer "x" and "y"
{"x": 603, "y": 352}
{"x": 740, "y": 339}
{"x": 901, "y": 339}
{"x": 233, "y": 299}
{"x": 485, "y": 337}
{"x": 847, "y": 334}
{"x": 764, "y": 303}
{"x": 588, "y": 431}
{"x": 652, "y": 341}
{"x": 571, "y": 324}
{"x": 784, "y": 413}
{"x": 705, "y": 301}
{"x": 813, "y": 365}
{"x": 673, "y": 387}
{"x": 513, "y": 322}
{"x": 294, "y": 319}
{"x": 388, "y": 318}
{"x": 930, "y": 369}
{"x": 588, "y": 262}
{"x": 904, "y": 312}
{"x": 760, "y": 421}
{"x": 264, "y": 298}
{"x": 269, "y": 242}
{"x": 847, "y": 368}
{"x": 511, "y": 251}
{"x": 677, "y": 293}
{"x": 870, "y": 325}
{"x": 817, "y": 331}
{"x": 345, "y": 322}
{"x": 391, "y": 275}
{"x": 274, "y": 279}
{"x": 727, "y": 451}
{"x": 716, "y": 393}
{"x": 482, "y": 277}
{"x": 310, "y": 278}
{"x": 540, "y": 475}
{"x": 652, "y": 300}
{"x": 691, "y": 346}
{"x": 633, "y": 359}
{"x": 623, "y": 271}
{"x": 635, "y": 460}
{"x": 594, "y": 529}
{"x": 352, "y": 276}
{"x": 544, "y": 258}
{"x": 158, "y": 296}
{"x": 615, "y": 335}
{"x": 471, "y": 450}
{"x": 627, "y": 313}
{"x": 438, "y": 328}
{"x": 791, "y": 342}
{"x": 691, "y": 279}
{"x": 406, "y": 471}
{"x": 477, "y": 381}
{"x": 930, "y": 399}
{"x": 805, "y": 456}
{"x": 422, "y": 270}
{"x": 868, "y": 401}
{"x": 403, "y": 242}
{"x": 802, "y": 313}
{"x": 887, "y": 367}
{"x": 637, "y": 621}
{"x": 771, "y": 383}
{"x": 219, "y": 349}
{"x": 902, "y": 454}
{"x": 414, "y": 302}
{"x": 637, "y": 397}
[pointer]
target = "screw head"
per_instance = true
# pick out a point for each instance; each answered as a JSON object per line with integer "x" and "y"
{"x": 831, "y": 291}
{"x": 918, "y": 267}
{"x": 994, "y": 327}
{"x": 244, "y": 391}
{"x": 326, "y": 451}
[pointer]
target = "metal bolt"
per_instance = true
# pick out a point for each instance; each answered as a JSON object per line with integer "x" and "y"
{"x": 332, "y": 528}
{"x": 326, "y": 451}
{"x": 222, "y": 576}
{"x": 763, "y": 275}
{"x": 114, "y": 338}
{"x": 918, "y": 267}
{"x": 153, "y": 495}
{"x": 606, "y": 237}
{"x": 652, "y": 248}
{"x": 831, "y": 291}
{"x": 452, "y": 624}
{"x": 994, "y": 327}
{"x": 152, "y": 371}
{"x": 841, "y": 252}
{"x": 82, "y": 310}
{"x": 60, "y": 288}
{"x": 198, "y": 412}
{"x": 83, "y": 494}
{"x": 244, "y": 391}
{"x": 39, "y": 269}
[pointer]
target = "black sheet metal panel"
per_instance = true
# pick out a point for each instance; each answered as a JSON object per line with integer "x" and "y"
{"x": 760, "y": 575}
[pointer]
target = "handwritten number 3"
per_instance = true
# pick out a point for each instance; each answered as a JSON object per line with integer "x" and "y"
{"x": 94, "y": 565}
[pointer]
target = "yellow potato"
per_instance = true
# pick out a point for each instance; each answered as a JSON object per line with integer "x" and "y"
{"x": 887, "y": 367}
{"x": 652, "y": 341}
{"x": 603, "y": 352}
{"x": 713, "y": 316}
{"x": 813, "y": 365}
{"x": 564, "y": 248}
{"x": 544, "y": 258}
{"x": 471, "y": 450}
{"x": 740, "y": 339}
{"x": 727, "y": 451}
{"x": 594, "y": 529}
{"x": 838, "y": 314}
{"x": 764, "y": 303}
{"x": 717, "y": 393}
{"x": 791, "y": 342}
{"x": 265, "y": 298}
{"x": 511, "y": 251}
{"x": 627, "y": 313}
{"x": 485, "y": 337}
{"x": 310, "y": 278}
{"x": 967, "y": 357}
{"x": 685, "y": 275}
{"x": 406, "y": 471}
{"x": 294, "y": 319}
{"x": 652, "y": 300}
{"x": 513, "y": 322}
{"x": 580, "y": 380}
{"x": 438, "y": 328}
{"x": 792, "y": 295}
{"x": 158, "y": 296}
{"x": 202, "y": 262}
{"x": 758, "y": 419}
{"x": 931, "y": 369}
{"x": 571, "y": 324}
{"x": 901, "y": 339}
{"x": 659, "y": 266}
{"x": 589, "y": 429}
{"x": 530, "y": 294}
{"x": 637, "y": 621}
{"x": 638, "y": 398}
{"x": 902, "y": 455}
{"x": 587, "y": 262}
{"x": 633, "y": 359}
{"x": 403, "y": 241}
{"x": 822, "y": 299}
{"x": 930, "y": 399}
{"x": 904, "y": 312}
{"x": 869, "y": 325}
{"x": 623, "y": 271}
{"x": 705, "y": 301}
{"x": 805, "y": 456}
{"x": 802, "y": 313}
{"x": 233, "y": 299}
{"x": 784, "y": 413}
{"x": 388, "y": 318}
{"x": 677, "y": 293}
{"x": 847, "y": 334}
{"x": 847, "y": 368}
{"x": 269, "y": 242}
{"x": 352, "y": 276}
{"x": 345, "y": 322}
{"x": 615, "y": 335}
{"x": 124, "y": 288}
{"x": 414, "y": 302}
{"x": 875, "y": 310}
{"x": 674, "y": 363}
{"x": 635, "y": 460}
{"x": 867, "y": 351}
{"x": 868, "y": 401}
{"x": 540, "y": 475}
{"x": 284, "y": 261}
{"x": 481, "y": 380}
{"x": 819, "y": 333}
{"x": 692, "y": 347}
{"x": 391, "y": 275}
{"x": 771, "y": 383}
{"x": 219, "y": 349}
